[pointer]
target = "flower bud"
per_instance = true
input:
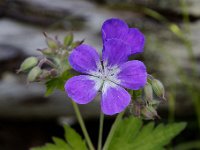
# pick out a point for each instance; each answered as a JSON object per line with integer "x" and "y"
{"x": 28, "y": 63}
{"x": 158, "y": 88}
{"x": 148, "y": 92}
{"x": 51, "y": 43}
{"x": 154, "y": 103}
{"x": 44, "y": 75}
{"x": 46, "y": 51}
{"x": 149, "y": 112}
{"x": 53, "y": 72}
{"x": 34, "y": 73}
{"x": 68, "y": 39}
{"x": 77, "y": 43}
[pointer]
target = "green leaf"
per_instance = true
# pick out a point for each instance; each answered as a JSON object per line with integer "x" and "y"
{"x": 130, "y": 134}
{"x": 73, "y": 141}
{"x": 57, "y": 83}
{"x": 125, "y": 133}
{"x": 59, "y": 145}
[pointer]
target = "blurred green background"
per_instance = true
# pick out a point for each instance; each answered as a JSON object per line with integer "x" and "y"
{"x": 172, "y": 54}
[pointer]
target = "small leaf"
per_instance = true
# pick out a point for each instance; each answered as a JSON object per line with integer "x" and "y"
{"x": 68, "y": 39}
{"x": 57, "y": 83}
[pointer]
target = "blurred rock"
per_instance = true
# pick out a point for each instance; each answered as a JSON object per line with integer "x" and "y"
{"x": 40, "y": 14}
{"x": 20, "y": 100}
{"x": 168, "y": 6}
{"x": 10, "y": 58}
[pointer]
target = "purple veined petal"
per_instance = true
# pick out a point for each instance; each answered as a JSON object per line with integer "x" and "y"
{"x": 113, "y": 28}
{"x": 115, "y": 52}
{"x": 135, "y": 39}
{"x": 114, "y": 98}
{"x": 84, "y": 59}
{"x": 133, "y": 75}
{"x": 83, "y": 88}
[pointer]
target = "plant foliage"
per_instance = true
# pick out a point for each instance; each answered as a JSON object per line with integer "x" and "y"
{"x": 131, "y": 134}
{"x": 73, "y": 141}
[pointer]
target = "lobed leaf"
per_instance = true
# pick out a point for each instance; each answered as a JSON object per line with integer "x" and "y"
{"x": 73, "y": 141}
{"x": 131, "y": 135}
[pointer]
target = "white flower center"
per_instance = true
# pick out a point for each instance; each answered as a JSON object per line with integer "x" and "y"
{"x": 107, "y": 73}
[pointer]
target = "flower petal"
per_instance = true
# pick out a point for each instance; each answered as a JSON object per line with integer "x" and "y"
{"x": 83, "y": 89}
{"x": 133, "y": 75}
{"x": 113, "y": 28}
{"x": 117, "y": 29}
{"x": 135, "y": 39}
{"x": 114, "y": 98}
{"x": 115, "y": 52}
{"x": 84, "y": 58}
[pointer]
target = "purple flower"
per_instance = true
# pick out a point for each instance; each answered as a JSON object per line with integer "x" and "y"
{"x": 111, "y": 75}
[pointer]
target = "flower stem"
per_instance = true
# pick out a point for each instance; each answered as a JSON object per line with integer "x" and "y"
{"x": 81, "y": 122}
{"x": 100, "y": 130}
{"x": 112, "y": 131}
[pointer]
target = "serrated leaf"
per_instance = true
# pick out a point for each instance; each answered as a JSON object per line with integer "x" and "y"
{"x": 61, "y": 143}
{"x": 74, "y": 139}
{"x": 159, "y": 137}
{"x": 147, "y": 129}
{"x": 125, "y": 133}
{"x": 57, "y": 83}
{"x": 131, "y": 135}
{"x": 49, "y": 146}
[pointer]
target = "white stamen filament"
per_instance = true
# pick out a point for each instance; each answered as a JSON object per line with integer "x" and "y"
{"x": 106, "y": 73}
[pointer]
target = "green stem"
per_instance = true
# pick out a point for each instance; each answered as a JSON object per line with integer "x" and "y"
{"x": 81, "y": 122}
{"x": 112, "y": 131}
{"x": 100, "y": 131}
{"x": 172, "y": 105}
